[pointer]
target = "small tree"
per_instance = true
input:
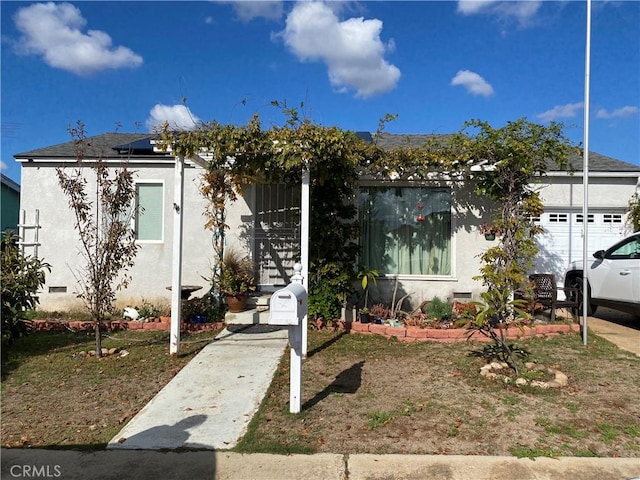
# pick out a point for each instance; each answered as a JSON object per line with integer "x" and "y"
{"x": 512, "y": 158}
{"x": 367, "y": 276}
{"x": 107, "y": 242}
{"x": 633, "y": 219}
{"x": 22, "y": 276}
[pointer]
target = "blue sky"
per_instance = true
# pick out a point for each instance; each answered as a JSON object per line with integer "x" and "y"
{"x": 126, "y": 66}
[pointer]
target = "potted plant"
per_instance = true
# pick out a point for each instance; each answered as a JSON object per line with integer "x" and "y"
{"x": 379, "y": 312}
{"x": 367, "y": 275}
{"x": 236, "y": 279}
{"x": 489, "y": 231}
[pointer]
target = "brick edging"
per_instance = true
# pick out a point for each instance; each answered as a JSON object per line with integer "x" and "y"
{"x": 404, "y": 334}
{"x": 116, "y": 325}
{"x": 453, "y": 335}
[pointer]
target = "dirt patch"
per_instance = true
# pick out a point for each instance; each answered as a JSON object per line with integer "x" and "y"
{"x": 367, "y": 394}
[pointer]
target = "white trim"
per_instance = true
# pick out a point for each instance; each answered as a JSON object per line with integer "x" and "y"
{"x": 607, "y": 174}
{"x": 452, "y": 277}
{"x": 407, "y": 277}
{"x": 147, "y": 181}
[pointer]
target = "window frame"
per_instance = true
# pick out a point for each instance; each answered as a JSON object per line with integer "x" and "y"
{"x": 451, "y": 276}
{"x": 134, "y": 218}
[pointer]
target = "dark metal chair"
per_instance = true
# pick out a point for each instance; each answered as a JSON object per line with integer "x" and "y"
{"x": 545, "y": 292}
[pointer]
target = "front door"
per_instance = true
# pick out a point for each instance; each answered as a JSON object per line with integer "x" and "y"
{"x": 276, "y": 233}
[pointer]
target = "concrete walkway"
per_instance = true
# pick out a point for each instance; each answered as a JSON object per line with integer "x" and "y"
{"x": 619, "y": 328}
{"x": 210, "y": 402}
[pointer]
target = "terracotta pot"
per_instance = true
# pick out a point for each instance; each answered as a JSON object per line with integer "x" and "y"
{"x": 237, "y": 303}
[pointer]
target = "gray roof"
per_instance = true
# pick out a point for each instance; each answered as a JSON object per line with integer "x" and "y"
{"x": 128, "y": 144}
{"x": 102, "y": 146}
{"x": 389, "y": 141}
{"x": 602, "y": 163}
{"x": 597, "y": 162}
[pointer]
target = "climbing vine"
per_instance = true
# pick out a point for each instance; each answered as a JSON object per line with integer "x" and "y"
{"x": 241, "y": 155}
{"x": 502, "y": 162}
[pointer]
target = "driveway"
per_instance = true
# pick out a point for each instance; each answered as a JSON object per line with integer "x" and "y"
{"x": 619, "y": 328}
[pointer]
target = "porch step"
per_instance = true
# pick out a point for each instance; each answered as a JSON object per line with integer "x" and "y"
{"x": 248, "y": 317}
{"x": 257, "y": 312}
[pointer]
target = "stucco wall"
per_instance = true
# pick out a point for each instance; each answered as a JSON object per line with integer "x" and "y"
{"x": 469, "y": 210}
{"x": 151, "y": 273}
{"x": 604, "y": 192}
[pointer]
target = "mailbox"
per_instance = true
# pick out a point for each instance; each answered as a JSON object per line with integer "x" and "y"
{"x": 288, "y": 305}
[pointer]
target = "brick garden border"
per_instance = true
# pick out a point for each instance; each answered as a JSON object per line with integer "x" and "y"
{"x": 403, "y": 334}
{"x": 453, "y": 335}
{"x": 118, "y": 325}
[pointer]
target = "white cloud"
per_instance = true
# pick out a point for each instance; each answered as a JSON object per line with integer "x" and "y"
{"x": 523, "y": 10}
{"x": 178, "y": 116}
{"x": 3, "y": 166}
{"x": 474, "y": 83}
{"x": 471, "y": 7}
{"x": 621, "y": 112}
{"x": 561, "y": 111}
{"x": 352, "y": 49}
{"x": 53, "y": 30}
{"x": 248, "y": 10}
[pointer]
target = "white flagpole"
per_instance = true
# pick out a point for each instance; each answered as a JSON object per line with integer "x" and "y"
{"x": 585, "y": 179}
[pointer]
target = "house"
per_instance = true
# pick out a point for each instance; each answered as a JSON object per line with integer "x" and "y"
{"x": 58, "y": 242}
{"x": 424, "y": 235}
{"x": 10, "y": 200}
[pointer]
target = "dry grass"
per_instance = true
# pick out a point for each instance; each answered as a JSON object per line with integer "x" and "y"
{"x": 53, "y": 397}
{"x": 369, "y": 394}
{"x": 361, "y": 394}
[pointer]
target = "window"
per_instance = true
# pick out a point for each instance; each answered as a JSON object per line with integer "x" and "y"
{"x": 406, "y": 230}
{"x": 558, "y": 218}
{"x": 580, "y": 218}
{"x": 149, "y": 212}
{"x": 629, "y": 249}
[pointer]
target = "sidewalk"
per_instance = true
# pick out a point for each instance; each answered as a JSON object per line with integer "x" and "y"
{"x": 208, "y": 465}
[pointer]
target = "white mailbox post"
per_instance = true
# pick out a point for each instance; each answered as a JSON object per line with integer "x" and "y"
{"x": 289, "y": 307}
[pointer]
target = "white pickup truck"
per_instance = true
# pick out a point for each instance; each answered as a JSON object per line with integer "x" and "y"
{"x": 614, "y": 277}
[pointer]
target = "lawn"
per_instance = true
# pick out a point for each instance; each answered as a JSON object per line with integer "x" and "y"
{"x": 53, "y": 396}
{"x": 361, "y": 393}
{"x": 368, "y": 394}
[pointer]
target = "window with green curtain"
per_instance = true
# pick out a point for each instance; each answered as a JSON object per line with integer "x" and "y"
{"x": 406, "y": 230}
{"x": 149, "y": 200}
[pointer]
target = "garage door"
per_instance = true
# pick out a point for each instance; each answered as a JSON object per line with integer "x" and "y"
{"x": 561, "y": 242}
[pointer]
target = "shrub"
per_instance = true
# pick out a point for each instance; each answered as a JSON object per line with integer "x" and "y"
{"x": 22, "y": 276}
{"x": 379, "y": 311}
{"x": 438, "y": 309}
{"x": 329, "y": 285}
{"x": 207, "y": 306}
